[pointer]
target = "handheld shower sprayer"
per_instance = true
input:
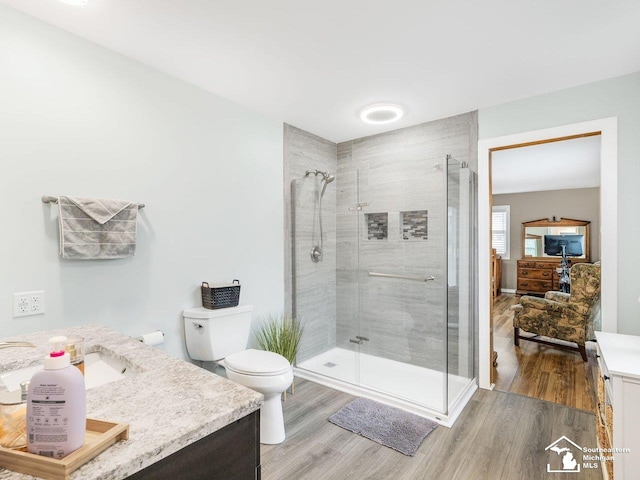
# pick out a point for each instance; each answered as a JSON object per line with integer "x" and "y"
{"x": 316, "y": 250}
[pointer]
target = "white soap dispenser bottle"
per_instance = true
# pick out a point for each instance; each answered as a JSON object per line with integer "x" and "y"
{"x": 56, "y": 405}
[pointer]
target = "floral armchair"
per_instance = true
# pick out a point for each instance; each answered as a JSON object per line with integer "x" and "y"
{"x": 563, "y": 316}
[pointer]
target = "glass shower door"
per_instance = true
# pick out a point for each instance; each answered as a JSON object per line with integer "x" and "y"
{"x": 460, "y": 284}
{"x": 401, "y": 279}
{"x": 387, "y": 308}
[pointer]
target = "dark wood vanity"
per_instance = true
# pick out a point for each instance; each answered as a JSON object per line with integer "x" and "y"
{"x": 232, "y": 453}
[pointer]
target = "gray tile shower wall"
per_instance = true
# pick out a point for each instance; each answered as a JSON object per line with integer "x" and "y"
{"x": 315, "y": 283}
{"x": 397, "y": 174}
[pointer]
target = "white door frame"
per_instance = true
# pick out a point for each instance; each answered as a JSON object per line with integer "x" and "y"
{"x": 608, "y": 127}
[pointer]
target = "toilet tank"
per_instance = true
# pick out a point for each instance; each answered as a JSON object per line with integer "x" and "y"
{"x": 211, "y": 335}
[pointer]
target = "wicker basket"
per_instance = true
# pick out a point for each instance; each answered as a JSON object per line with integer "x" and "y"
{"x": 220, "y": 296}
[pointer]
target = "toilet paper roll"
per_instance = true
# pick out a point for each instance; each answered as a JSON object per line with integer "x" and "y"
{"x": 153, "y": 339}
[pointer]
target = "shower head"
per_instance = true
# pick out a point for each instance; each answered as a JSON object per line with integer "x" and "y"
{"x": 326, "y": 176}
{"x": 326, "y": 180}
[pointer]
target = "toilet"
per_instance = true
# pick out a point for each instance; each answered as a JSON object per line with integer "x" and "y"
{"x": 221, "y": 336}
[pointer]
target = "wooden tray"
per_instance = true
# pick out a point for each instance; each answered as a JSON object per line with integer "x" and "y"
{"x": 100, "y": 436}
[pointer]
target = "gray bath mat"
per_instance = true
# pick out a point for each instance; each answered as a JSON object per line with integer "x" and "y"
{"x": 392, "y": 427}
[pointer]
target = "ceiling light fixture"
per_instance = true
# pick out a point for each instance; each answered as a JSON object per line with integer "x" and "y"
{"x": 381, "y": 113}
{"x": 77, "y": 3}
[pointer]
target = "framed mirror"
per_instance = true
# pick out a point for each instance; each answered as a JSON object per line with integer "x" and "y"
{"x": 546, "y": 239}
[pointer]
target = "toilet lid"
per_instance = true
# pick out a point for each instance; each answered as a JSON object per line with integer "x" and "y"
{"x": 257, "y": 362}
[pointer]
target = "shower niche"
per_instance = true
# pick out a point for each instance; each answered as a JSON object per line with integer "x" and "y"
{"x": 377, "y": 226}
{"x": 414, "y": 224}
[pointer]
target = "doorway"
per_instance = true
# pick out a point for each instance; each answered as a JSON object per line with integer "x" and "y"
{"x": 607, "y": 128}
{"x": 549, "y": 180}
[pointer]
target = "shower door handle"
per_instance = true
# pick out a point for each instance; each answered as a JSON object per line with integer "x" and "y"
{"x": 403, "y": 277}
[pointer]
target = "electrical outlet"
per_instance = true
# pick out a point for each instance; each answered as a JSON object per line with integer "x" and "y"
{"x": 28, "y": 303}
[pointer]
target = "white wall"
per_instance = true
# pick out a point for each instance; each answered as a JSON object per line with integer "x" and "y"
{"x": 78, "y": 119}
{"x": 618, "y": 97}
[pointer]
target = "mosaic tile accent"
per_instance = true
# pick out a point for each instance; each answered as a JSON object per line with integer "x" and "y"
{"x": 414, "y": 225}
{"x": 377, "y": 226}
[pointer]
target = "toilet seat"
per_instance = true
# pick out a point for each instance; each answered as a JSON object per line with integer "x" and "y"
{"x": 257, "y": 362}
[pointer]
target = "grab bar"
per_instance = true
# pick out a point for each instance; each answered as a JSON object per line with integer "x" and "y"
{"x": 404, "y": 277}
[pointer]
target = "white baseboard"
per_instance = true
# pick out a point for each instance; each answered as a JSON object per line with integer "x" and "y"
{"x": 508, "y": 290}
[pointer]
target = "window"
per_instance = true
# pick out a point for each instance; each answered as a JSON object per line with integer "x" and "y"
{"x": 500, "y": 230}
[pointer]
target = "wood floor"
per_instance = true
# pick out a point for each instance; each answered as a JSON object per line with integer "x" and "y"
{"x": 499, "y": 436}
{"x": 540, "y": 371}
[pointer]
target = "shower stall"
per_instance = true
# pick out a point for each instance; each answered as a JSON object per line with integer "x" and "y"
{"x": 383, "y": 276}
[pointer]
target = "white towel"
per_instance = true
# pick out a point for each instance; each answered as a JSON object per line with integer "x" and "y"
{"x": 97, "y": 228}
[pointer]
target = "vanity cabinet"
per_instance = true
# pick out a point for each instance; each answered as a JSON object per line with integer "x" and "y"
{"x": 185, "y": 423}
{"x": 618, "y": 416}
{"x": 232, "y": 453}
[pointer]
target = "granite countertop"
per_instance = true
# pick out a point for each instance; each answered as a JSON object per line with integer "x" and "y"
{"x": 168, "y": 403}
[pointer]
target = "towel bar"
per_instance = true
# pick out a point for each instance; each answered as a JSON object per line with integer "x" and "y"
{"x": 50, "y": 199}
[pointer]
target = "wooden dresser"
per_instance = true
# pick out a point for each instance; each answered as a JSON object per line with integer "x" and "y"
{"x": 537, "y": 273}
{"x": 536, "y": 277}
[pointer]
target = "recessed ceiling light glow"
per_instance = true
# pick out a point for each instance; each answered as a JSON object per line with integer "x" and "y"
{"x": 381, "y": 113}
{"x": 77, "y": 3}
